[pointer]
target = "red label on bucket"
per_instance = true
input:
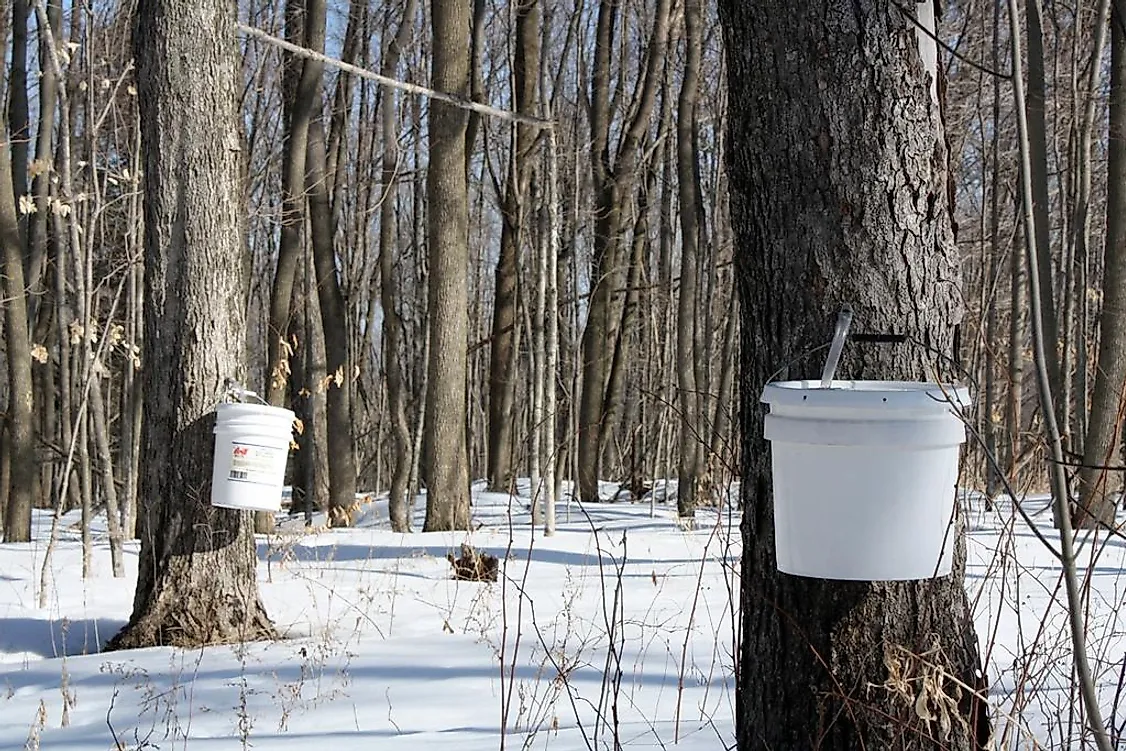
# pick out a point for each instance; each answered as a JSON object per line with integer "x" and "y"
{"x": 264, "y": 465}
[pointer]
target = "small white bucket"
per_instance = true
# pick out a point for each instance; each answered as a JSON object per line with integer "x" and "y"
{"x": 864, "y": 477}
{"x": 251, "y": 450}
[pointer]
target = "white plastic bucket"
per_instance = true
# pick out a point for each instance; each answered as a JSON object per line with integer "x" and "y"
{"x": 251, "y": 450}
{"x": 864, "y": 477}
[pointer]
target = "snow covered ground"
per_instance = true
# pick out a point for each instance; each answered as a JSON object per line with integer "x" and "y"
{"x": 620, "y": 626}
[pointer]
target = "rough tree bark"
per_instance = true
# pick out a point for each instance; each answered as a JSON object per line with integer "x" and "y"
{"x": 444, "y": 455}
{"x": 1098, "y": 488}
{"x": 839, "y": 194}
{"x": 196, "y": 582}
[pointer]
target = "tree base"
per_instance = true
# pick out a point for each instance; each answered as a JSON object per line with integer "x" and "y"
{"x": 174, "y": 624}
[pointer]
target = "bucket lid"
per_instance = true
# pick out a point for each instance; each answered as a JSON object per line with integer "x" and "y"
{"x": 897, "y": 395}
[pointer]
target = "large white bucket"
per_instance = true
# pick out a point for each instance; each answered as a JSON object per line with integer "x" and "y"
{"x": 251, "y": 450}
{"x": 864, "y": 477}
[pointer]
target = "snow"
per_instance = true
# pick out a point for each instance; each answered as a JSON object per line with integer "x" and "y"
{"x": 381, "y": 645}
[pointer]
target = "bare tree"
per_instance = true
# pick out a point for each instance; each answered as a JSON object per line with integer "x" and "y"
{"x": 615, "y": 173}
{"x": 1041, "y": 242}
{"x": 839, "y": 194}
{"x": 333, "y": 318}
{"x": 197, "y": 581}
{"x": 688, "y": 391}
{"x": 397, "y": 388}
{"x": 515, "y": 212}
{"x": 304, "y": 76}
{"x": 22, "y": 481}
{"x": 445, "y": 461}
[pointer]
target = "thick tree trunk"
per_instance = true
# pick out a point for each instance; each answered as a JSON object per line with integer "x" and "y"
{"x": 196, "y": 581}
{"x": 839, "y": 194}
{"x": 1099, "y": 488}
{"x": 444, "y": 456}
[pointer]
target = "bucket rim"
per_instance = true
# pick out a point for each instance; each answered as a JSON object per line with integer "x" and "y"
{"x": 862, "y": 393}
{"x": 234, "y": 408}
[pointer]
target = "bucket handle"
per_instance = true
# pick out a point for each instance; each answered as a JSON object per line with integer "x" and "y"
{"x": 233, "y": 392}
{"x": 844, "y": 320}
{"x": 842, "y": 335}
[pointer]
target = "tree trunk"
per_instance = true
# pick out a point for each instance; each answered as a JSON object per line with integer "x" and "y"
{"x": 691, "y": 429}
{"x": 721, "y": 438}
{"x": 131, "y": 401}
{"x": 604, "y": 272}
{"x": 19, "y": 111}
{"x": 316, "y": 381}
{"x": 342, "y": 102}
{"x": 21, "y": 414}
{"x": 990, "y": 272}
{"x": 341, "y": 448}
{"x": 105, "y": 465}
{"x": 839, "y": 194}
{"x": 305, "y": 79}
{"x": 476, "y": 79}
{"x": 1014, "y": 419}
{"x": 447, "y": 472}
{"x": 397, "y": 388}
{"x": 1098, "y": 488}
{"x": 502, "y": 363}
{"x": 196, "y": 581}
{"x": 1038, "y": 145}
{"x": 614, "y": 182}
{"x": 613, "y": 436}
{"x": 302, "y": 394}
{"x": 48, "y": 98}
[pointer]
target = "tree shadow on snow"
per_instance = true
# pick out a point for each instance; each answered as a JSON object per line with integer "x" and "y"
{"x": 329, "y": 553}
{"x": 56, "y": 638}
